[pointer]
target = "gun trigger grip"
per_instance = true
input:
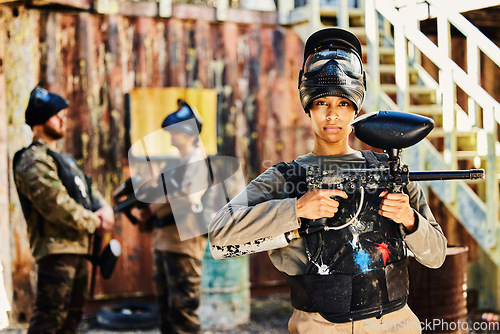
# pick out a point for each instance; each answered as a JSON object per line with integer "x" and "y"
{"x": 337, "y": 198}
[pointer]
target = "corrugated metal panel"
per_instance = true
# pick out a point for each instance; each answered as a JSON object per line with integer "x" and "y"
{"x": 94, "y": 60}
{"x": 5, "y": 254}
{"x": 21, "y": 70}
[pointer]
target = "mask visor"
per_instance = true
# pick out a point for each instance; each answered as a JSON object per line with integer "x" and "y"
{"x": 349, "y": 61}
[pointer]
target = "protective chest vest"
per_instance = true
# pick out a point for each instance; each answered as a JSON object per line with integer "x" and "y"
{"x": 356, "y": 272}
{"x": 74, "y": 180}
{"x": 78, "y": 185}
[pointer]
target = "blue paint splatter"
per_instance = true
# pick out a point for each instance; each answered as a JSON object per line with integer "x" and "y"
{"x": 362, "y": 259}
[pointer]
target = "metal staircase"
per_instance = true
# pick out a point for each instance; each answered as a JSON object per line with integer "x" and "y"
{"x": 396, "y": 80}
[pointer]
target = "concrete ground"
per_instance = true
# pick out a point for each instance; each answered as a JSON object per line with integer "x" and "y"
{"x": 267, "y": 315}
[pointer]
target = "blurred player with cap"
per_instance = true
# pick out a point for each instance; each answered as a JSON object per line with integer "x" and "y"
{"x": 62, "y": 209}
{"x": 178, "y": 263}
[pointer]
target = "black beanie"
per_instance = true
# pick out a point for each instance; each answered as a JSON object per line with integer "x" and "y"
{"x": 43, "y": 105}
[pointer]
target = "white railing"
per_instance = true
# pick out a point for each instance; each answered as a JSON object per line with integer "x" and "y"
{"x": 308, "y": 15}
{"x": 404, "y": 16}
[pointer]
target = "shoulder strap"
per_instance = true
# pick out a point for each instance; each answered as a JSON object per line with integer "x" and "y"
{"x": 283, "y": 167}
{"x": 370, "y": 158}
{"x": 295, "y": 177}
{"x": 211, "y": 179}
{"x": 291, "y": 171}
{"x": 374, "y": 159}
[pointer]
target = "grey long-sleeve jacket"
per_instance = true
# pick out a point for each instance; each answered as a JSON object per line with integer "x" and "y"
{"x": 264, "y": 210}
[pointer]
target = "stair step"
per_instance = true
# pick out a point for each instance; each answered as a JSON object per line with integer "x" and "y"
{"x": 386, "y": 50}
{"x": 329, "y": 17}
{"x": 427, "y": 109}
{"x": 471, "y": 154}
{"x": 466, "y": 154}
{"x": 439, "y": 132}
{"x": 388, "y": 74}
{"x": 332, "y": 11}
{"x": 414, "y": 89}
{"x": 358, "y": 31}
{"x": 391, "y": 69}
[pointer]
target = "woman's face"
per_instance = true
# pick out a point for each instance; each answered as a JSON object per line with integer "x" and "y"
{"x": 330, "y": 118}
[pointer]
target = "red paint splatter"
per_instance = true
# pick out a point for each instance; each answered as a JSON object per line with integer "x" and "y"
{"x": 384, "y": 249}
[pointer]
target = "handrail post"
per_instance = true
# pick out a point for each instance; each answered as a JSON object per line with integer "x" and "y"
{"x": 361, "y": 3}
{"x": 413, "y": 52}
{"x": 492, "y": 195}
{"x": 315, "y": 21}
{"x": 373, "y": 43}
{"x": 448, "y": 90}
{"x": 284, "y": 9}
{"x": 165, "y": 8}
{"x": 343, "y": 14}
{"x": 401, "y": 60}
{"x": 402, "y": 84}
{"x": 473, "y": 72}
{"x": 221, "y": 10}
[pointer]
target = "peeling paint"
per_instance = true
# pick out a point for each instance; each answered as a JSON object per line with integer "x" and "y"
{"x": 93, "y": 60}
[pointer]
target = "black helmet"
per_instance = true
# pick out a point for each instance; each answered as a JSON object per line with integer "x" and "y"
{"x": 178, "y": 121}
{"x": 332, "y": 67}
{"x": 43, "y": 105}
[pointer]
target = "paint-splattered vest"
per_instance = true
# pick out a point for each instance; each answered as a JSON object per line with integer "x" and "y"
{"x": 354, "y": 273}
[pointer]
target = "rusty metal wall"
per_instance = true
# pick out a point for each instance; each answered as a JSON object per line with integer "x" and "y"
{"x": 93, "y": 60}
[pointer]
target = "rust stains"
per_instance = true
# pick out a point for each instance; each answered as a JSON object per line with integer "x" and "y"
{"x": 94, "y": 60}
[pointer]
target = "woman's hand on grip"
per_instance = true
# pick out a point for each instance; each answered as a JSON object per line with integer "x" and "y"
{"x": 319, "y": 203}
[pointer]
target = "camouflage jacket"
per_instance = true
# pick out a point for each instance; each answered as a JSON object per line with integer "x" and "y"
{"x": 57, "y": 224}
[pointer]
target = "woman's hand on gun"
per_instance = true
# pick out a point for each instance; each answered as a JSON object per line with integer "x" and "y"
{"x": 319, "y": 203}
{"x": 396, "y": 206}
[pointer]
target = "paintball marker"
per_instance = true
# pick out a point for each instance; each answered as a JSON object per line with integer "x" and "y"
{"x": 390, "y": 131}
{"x": 105, "y": 260}
{"x": 126, "y": 197}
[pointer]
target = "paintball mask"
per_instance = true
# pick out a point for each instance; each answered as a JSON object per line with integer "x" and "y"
{"x": 178, "y": 121}
{"x": 332, "y": 67}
